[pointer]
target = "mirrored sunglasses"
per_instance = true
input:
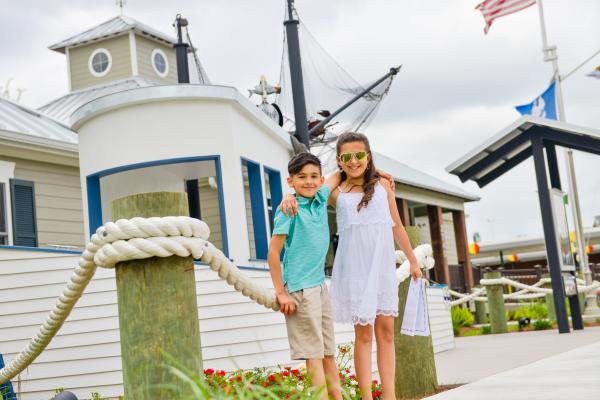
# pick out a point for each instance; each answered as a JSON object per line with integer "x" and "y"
{"x": 359, "y": 155}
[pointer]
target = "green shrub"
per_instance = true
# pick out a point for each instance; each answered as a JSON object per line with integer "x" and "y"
{"x": 511, "y": 315}
{"x": 542, "y": 324}
{"x": 486, "y": 329}
{"x": 534, "y": 311}
{"x": 598, "y": 320}
{"x": 462, "y": 316}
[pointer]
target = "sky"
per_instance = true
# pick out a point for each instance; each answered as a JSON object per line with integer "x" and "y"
{"x": 457, "y": 86}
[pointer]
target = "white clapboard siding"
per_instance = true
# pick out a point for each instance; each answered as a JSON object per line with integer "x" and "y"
{"x": 440, "y": 320}
{"x": 85, "y": 355}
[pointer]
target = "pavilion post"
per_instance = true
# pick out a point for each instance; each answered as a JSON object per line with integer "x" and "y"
{"x": 549, "y": 234}
{"x": 442, "y": 274}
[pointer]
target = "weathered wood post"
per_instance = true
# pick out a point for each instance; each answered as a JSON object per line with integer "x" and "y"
{"x": 480, "y": 310}
{"x": 549, "y": 300}
{"x": 415, "y": 364}
{"x": 495, "y": 295}
{"x": 158, "y": 310}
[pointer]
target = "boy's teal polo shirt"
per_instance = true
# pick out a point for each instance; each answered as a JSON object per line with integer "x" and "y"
{"x": 307, "y": 241}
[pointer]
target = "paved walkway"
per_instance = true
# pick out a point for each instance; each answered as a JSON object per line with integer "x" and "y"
{"x": 477, "y": 357}
{"x": 536, "y": 365}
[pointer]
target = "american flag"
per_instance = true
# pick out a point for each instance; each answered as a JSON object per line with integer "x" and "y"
{"x": 492, "y": 9}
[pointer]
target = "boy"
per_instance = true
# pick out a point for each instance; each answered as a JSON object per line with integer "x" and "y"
{"x": 301, "y": 291}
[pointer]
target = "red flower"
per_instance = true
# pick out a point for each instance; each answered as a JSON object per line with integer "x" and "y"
{"x": 347, "y": 370}
{"x": 301, "y": 378}
{"x": 352, "y": 376}
{"x": 221, "y": 373}
{"x": 376, "y": 393}
{"x": 375, "y": 382}
{"x": 295, "y": 371}
{"x": 239, "y": 378}
{"x": 285, "y": 373}
{"x": 209, "y": 371}
{"x": 288, "y": 368}
{"x": 271, "y": 378}
{"x": 266, "y": 384}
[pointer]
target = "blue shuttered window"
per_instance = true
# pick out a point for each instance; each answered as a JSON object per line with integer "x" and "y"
{"x": 273, "y": 178}
{"x": 23, "y": 213}
{"x": 3, "y": 216}
{"x": 258, "y": 233}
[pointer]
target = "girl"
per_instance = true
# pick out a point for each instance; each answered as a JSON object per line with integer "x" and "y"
{"x": 364, "y": 288}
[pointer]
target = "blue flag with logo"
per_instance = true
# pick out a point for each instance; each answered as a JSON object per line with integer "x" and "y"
{"x": 542, "y": 106}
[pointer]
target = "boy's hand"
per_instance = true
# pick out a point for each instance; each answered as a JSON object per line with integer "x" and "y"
{"x": 415, "y": 271}
{"x": 388, "y": 177}
{"x": 288, "y": 307}
{"x": 289, "y": 205}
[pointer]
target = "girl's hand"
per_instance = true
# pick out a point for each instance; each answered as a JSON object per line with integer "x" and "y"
{"x": 388, "y": 177}
{"x": 415, "y": 271}
{"x": 289, "y": 205}
{"x": 288, "y": 307}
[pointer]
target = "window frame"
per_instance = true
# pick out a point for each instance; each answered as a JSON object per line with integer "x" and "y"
{"x": 257, "y": 207}
{"x": 91, "y": 65}
{"x": 276, "y": 190}
{"x": 164, "y": 56}
{"x": 94, "y": 194}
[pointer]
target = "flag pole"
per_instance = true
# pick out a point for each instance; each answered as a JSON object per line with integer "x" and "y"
{"x": 550, "y": 54}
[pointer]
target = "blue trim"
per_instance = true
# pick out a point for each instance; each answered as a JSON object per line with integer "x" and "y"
{"x": 95, "y": 200}
{"x": 258, "y": 208}
{"x": 438, "y": 285}
{"x": 222, "y": 215}
{"x": 42, "y": 249}
{"x": 6, "y": 389}
{"x": 275, "y": 187}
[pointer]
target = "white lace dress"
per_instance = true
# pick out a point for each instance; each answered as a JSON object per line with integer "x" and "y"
{"x": 364, "y": 284}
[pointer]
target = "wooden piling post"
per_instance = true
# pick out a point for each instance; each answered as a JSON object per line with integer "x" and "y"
{"x": 158, "y": 311}
{"x": 495, "y": 295}
{"x": 549, "y": 300}
{"x": 480, "y": 311}
{"x": 415, "y": 365}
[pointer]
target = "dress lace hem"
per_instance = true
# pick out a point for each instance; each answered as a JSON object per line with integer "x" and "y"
{"x": 365, "y": 320}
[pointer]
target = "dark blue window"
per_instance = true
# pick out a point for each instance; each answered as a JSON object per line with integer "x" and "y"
{"x": 23, "y": 213}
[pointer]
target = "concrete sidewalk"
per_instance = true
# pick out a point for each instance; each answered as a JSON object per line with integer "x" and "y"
{"x": 477, "y": 357}
{"x": 570, "y": 374}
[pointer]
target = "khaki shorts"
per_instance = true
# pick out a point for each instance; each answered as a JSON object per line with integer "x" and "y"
{"x": 310, "y": 328}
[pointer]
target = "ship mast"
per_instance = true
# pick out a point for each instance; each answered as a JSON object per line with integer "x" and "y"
{"x": 293, "y": 43}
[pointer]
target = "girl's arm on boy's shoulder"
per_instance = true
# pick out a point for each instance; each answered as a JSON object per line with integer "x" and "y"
{"x": 333, "y": 180}
{"x": 400, "y": 235}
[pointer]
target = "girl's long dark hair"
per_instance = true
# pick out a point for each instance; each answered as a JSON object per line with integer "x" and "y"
{"x": 371, "y": 177}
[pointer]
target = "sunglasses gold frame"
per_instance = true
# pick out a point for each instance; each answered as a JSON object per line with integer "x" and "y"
{"x": 353, "y": 155}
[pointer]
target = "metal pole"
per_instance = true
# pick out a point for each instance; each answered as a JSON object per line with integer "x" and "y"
{"x": 181, "y": 48}
{"x": 550, "y": 234}
{"x": 393, "y": 71}
{"x": 551, "y": 55}
{"x": 293, "y": 43}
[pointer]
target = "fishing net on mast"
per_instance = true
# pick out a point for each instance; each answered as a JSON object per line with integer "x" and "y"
{"x": 327, "y": 87}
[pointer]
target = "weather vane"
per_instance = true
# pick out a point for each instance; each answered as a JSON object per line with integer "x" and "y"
{"x": 121, "y": 4}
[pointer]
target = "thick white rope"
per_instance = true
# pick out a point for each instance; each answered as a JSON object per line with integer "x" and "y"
{"x": 125, "y": 240}
{"x": 424, "y": 256}
{"x": 527, "y": 291}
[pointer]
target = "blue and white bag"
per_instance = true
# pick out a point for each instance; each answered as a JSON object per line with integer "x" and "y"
{"x": 415, "y": 321}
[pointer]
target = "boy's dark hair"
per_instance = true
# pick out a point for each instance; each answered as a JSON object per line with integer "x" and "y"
{"x": 300, "y": 160}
